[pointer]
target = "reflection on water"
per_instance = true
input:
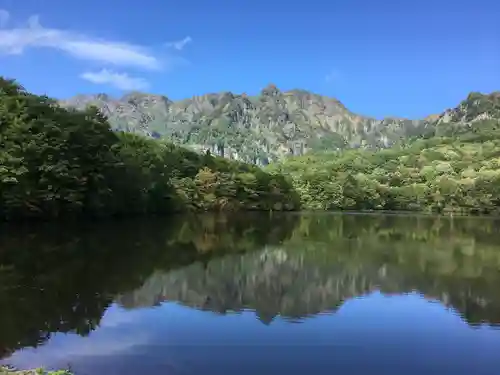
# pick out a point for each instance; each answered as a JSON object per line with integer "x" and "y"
{"x": 205, "y": 294}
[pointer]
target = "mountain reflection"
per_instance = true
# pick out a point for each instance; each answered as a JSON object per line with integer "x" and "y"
{"x": 295, "y": 285}
{"x": 294, "y": 266}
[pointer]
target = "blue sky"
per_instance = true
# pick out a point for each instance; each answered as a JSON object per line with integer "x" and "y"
{"x": 401, "y": 58}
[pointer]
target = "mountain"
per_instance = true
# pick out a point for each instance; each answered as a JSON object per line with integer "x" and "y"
{"x": 477, "y": 114}
{"x": 271, "y": 125}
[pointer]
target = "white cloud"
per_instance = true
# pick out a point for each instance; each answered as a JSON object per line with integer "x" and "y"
{"x": 180, "y": 44}
{"x": 34, "y": 35}
{"x": 119, "y": 80}
{"x": 4, "y": 17}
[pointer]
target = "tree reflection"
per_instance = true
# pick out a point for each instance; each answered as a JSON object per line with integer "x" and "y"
{"x": 55, "y": 279}
{"x": 331, "y": 258}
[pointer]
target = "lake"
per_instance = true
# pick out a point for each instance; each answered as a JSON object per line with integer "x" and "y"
{"x": 254, "y": 294}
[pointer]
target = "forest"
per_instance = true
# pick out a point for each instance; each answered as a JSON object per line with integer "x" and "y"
{"x": 453, "y": 166}
{"x": 439, "y": 174}
{"x": 58, "y": 162}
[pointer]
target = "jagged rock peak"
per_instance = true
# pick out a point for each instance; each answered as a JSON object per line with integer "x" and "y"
{"x": 135, "y": 96}
{"x": 270, "y": 90}
{"x": 227, "y": 95}
{"x": 102, "y": 96}
{"x": 265, "y": 127}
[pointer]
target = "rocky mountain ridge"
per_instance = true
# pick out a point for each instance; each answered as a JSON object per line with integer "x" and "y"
{"x": 266, "y": 127}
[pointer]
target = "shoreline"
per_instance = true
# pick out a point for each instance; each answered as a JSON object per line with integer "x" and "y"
{"x": 5, "y": 370}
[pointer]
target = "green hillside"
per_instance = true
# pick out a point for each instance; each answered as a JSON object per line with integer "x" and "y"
{"x": 57, "y": 162}
{"x": 455, "y": 167}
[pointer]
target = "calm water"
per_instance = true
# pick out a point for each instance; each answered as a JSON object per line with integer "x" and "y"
{"x": 315, "y": 294}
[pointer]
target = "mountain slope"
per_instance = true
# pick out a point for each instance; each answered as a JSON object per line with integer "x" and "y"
{"x": 477, "y": 115}
{"x": 271, "y": 125}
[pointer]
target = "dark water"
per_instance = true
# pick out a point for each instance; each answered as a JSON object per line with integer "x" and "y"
{"x": 254, "y": 294}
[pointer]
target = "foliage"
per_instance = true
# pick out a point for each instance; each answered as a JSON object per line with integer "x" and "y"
{"x": 58, "y": 162}
{"x": 460, "y": 173}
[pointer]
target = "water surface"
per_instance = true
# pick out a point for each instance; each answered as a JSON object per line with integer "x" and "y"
{"x": 255, "y": 293}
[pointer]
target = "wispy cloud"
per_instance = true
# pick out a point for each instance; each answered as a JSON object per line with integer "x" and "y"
{"x": 34, "y": 35}
{"x": 4, "y": 17}
{"x": 121, "y": 81}
{"x": 179, "y": 44}
{"x": 109, "y": 54}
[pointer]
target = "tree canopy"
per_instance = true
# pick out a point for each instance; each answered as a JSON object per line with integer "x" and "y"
{"x": 460, "y": 172}
{"x": 57, "y": 162}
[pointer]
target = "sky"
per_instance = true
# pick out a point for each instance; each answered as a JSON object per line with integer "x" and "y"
{"x": 380, "y": 58}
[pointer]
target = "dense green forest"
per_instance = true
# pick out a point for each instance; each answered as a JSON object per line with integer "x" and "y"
{"x": 57, "y": 162}
{"x": 436, "y": 174}
{"x": 453, "y": 167}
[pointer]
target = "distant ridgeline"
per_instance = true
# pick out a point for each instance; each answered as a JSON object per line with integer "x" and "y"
{"x": 58, "y": 161}
{"x": 254, "y": 129}
{"x": 267, "y": 127}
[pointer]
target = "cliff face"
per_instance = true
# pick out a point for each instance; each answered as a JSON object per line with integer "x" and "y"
{"x": 263, "y": 128}
{"x": 477, "y": 114}
{"x": 254, "y": 129}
